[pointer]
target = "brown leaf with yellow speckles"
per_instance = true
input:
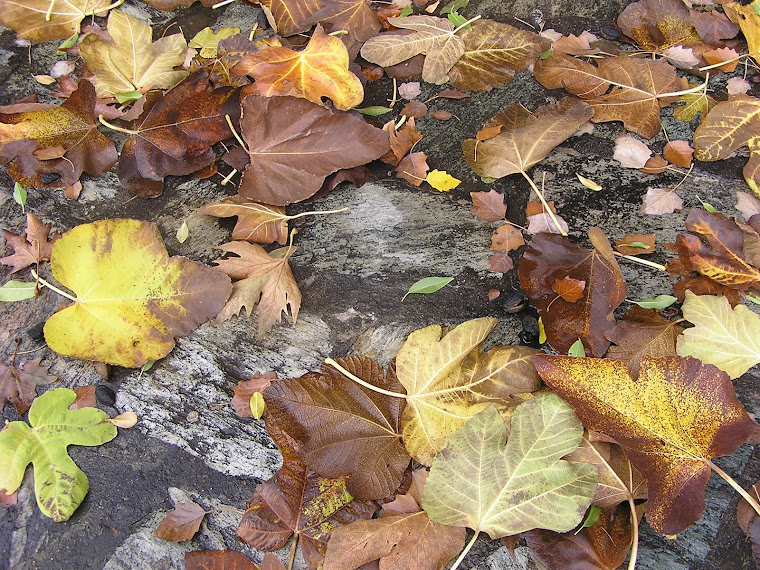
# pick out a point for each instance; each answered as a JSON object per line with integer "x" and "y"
{"x": 670, "y": 422}
{"x": 659, "y": 24}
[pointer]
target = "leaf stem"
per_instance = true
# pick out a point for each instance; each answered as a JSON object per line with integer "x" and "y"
{"x": 105, "y": 8}
{"x": 728, "y": 479}
{"x": 293, "y": 546}
{"x": 720, "y": 63}
{"x": 467, "y": 23}
{"x": 465, "y": 551}
{"x": 347, "y": 374}
{"x": 234, "y": 132}
{"x": 646, "y": 262}
{"x": 49, "y": 11}
{"x": 316, "y": 212}
{"x": 52, "y": 287}
{"x": 545, "y": 204}
{"x": 227, "y": 178}
{"x": 634, "y": 533}
{"x": 116, "y": 127}
{"x": 222, "y": 3}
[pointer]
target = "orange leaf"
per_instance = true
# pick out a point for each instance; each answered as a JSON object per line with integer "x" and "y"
{"x": 182, "y": 523}
{"x": 679, "y": 153}
{"x": 571, "y": 290}
{"x": 506, "y": 238}
{"x": 256, "y": 222}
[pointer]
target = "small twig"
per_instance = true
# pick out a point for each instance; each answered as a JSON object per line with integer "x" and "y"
{"x": 227, "y": 178}
{"x": 544, "y": 203}
{"x": 52, "y": 287}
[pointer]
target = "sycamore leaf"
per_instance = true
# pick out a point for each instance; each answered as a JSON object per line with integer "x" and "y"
{"x": 526, "y": 138}
{"x": 660, "y": 201}
{"x": 130, "y": 61}
{"x": 320, "y": 70}
{"x": 297, "y": 501}
{"x": 294, "y": 144}
{"x": 432, "y": 36}
{"x": 344, "y": 429}
{"x": 353, "y": 16}
{"x": 730, "y": 125}
{"x": 477, "y": 482}
{"x": 18, "y": 384}
{"x": 494, "y": 52}
{"x": 448, "y": 380}
{"x": 658, "y": 24}
{"x": 226, "y": 559}
{"x": 729, "y": 339}
{"x": 488, "y": 206}
{"x": 293, "y": 16}
{"x": 246, "y": 389}
{"x": 33, "y": 247}
{"x": 256, "y": 222}
{"x": 551, "y": 257}
{"x": 409, "y": 540}
{"x": 60, "y": 486}
{"x": 131, "y": 315}
{"x": 182, "y": 523}
{"x": 265, "y": 281}
{"x": 620, "y": 89}
{"x": 41, "y": 20}
{"x": 670, "y": 422}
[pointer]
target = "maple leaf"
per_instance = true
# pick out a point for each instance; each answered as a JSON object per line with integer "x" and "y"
{"x": 60, "y": 486}
{"x": 435, "y": 37}
{"x": 320, "y": 70}
{"x": 488, "y": 206}
{"x": 619, "y": 89}
{"x": 293, "y": 16}
{"x": 293, "y": 144}
{"x": 670, "y": 422}
{"x": 551, "y": 257}
{"x": 130, "y": 61}
{"x": 244, "y": 389}
{"x": 18, "y": 384}
{"x": 265, "y": 281}
{"x": 448, "y": 380}
{"x": 130, "y": 316}
{"x": 41, "y": 21}
{"x": 174, "y": 135}
{"x": 297, "y": 501}
{"x": 345, "y": 429}
{"x": 730, "y": 125}
{"x": 182, "y": 523}
{"x": 477, "y": 482}
{"x": 493, "y": 53}
{"x": 256, "y": 222}
{"x": 33, "y": 247}
{"x": 69, "y": 128}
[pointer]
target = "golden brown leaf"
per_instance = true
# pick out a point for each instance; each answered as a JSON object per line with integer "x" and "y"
{"x": 41, "y": 21}
{"x": 506, "y": 238}
{"x": 182, "y": 523}
{"x": 33, "y": 247}
{"x": 256, "y": 222}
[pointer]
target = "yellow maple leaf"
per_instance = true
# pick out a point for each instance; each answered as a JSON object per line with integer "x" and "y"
{"x": 442, "y": 180}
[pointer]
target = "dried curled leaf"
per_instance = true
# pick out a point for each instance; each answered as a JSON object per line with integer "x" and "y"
{"x": 33, "y": 247}
{"x": 260, "y": 223}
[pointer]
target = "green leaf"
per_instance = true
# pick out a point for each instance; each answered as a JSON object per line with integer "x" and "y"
{"x": 428, "y": 285}
{"x": 183, "y": 232}
{"x": 477, "y": 482}
{"x": 147, "y": 366}
{"x": 458, "y": 20}
{"x": 576, "y": 349}
{"x": 71, "y": 41}
{"x": 541, "y": 331}
{"x": 454, "y": 6}
{"x": 374, "y": 110}
{"x": 658, "y": 302}
{"x": 546, "y": 55}
{"x": 406, "y": 11}
{"x": 637, "y": 244}
{"x": 488, "y": 180}
{"x": 591, "y": 518}
{"x": 753, "y": 298}
{"x": 17, "y": 291}
{"x": 59, "y": 484}
{"x": 707, "y": 206}
{"x": 128, "y": 96}
{"x": 20, "y": 195}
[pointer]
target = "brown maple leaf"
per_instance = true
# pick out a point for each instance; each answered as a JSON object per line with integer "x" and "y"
{"x": 35, "y": 246}
{"x": 182, "y": 523}
{"x": 17, "y": 384}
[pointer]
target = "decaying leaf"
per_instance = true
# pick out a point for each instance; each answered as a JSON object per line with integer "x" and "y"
{"x": 292, "y": 16}
{"x": 659, "y": 201}
{"x": 657, "y": 24}
{"x": 477, "y": 482}
{"x": 207, "y": 40}
{"x": 130, "y": 316}
{"x": 693, "y": 103}
{"x": 18, "y": 383}
{"x": 670, "y": 422}
{"x": 60, "y": 486}
{"x": 41, "y": 21}
{"x": 260, "y": 223}
{"x": 630, "y": 151}
{"x": 35, "y": 246}
{"x": 182, "y": 523}
{"x": 506, "y": 238}
{"x": 571, "y": 290}
{"x": 488, "y": 206}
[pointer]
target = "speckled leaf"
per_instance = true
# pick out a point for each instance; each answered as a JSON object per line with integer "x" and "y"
{"x": 41, "y": 21}
{"x": 670, "y": 422}
{"x": 60, "y": 486}
{"x": 18, "y": 384}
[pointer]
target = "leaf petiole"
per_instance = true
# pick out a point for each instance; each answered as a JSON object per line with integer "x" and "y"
{"x": 634, "y": 531}
{"x": 646, "y": 262}
{"x": 234, "y": 132}
{"x": 738, "y": 488}
{"x": 467, "y": 23}
{"x": 116, "y": 127}
{"x": 347, "y": 374}
{"x": 545, "y": 204}
{"x": 52, "y": 287}
{"x": 465, "y": 551}
{"x": 222, "y": 3}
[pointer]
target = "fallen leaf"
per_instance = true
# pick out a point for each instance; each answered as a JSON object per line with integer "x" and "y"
{"x": 551, "y": 257}
{"x": 410, "y": 90}
{"x": 506, "y": 238}
{"x": 354, "y": 16}
{"x": 544, "y": 223}
{"x": 18, "y": 384}
{"x": 588, "y": 183}
{"x": 129, "y": 60}
{"x": 294, "y": 144}
{"x": 442, "y": 115}
{"x": 694, "y": 103}
{"x": 681, "y": 57}
{"x": 125, "y": 420}
{"x": 60, "y": 486}
{"x": 442, "y": 180}
{"x": 414, "y": 109}
{"x": 264, "y": 281}
{"x": 727, "y": 55}
{"x": 488, "y": 206}
{"x": 413, "y": 168}
{"x": 41, "y": 21}
{"x": 749, "y": 23}
{"x": 571, "y": 290}
{"x": 220, "y": 559}
{"x": 245, "y": 389}
{"x": 500, "y": 263}
{"x": 443, "y": 393}
{"x": 747, "y": 204}
{"x": 292, "y": 16}
{"x": 659, "y": 201}
{"x": 631, "y": 152}
{"x": 636, "y": 244}
{"x": 737, "y": 86}
{"x": 712, "y": 26}
{"x": 576, "y": 45}
{"x": 85, "y": 397}
{"x": 256, "y": 222}
{"x": 207, "y": 40}
{"x": 130, "y": 316}
{"x": 427, "y": 285}
{"x": 656, "y": 24}
{"x": 477, "y": 482}
{"x": 13, "y": 291}
{"x": 182, "y": 523}
{"x": 679, "y": 153}
{"x": 432, "y": 36}
{"x": 35, "y": 246}
{"x": 670, "y": 422}
{"x": 401, "y": 140}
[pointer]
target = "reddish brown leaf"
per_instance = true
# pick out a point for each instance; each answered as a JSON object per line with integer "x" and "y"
{"x": 414, "y": 109}
{"x": 182, "y": 523}
{"x": 679, "y": 153}
{"x": 401, "y": 140}
{"x": 551, "y": 257}
{"x": 294, "y": 144}
{"x": 506, "y": 238}
{"x": 655, "y": 165}
{"x": 244, "y": 389}
{"x": 442, "y": 115}
{"x": 344, "y": 429}
{"x": 218, "y": 559}
{"x": 488, "y": 206}
{"x": 713, "y": 26}
{"x": 413, "y": 168}
{"x": 571, "y": 290}
{"x": 85, "y": 397}
{"x": 18, "y": 384}
{"x": 6, "y": 499}
{"x": 35, "y": 246}
{"x": 500, "y": 263}
{"x": 258, "y": 223}
{"x": 647, "y": 240}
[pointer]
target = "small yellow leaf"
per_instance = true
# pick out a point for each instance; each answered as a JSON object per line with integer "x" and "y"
{"x": 442, "y": 180}
{"x": 44, "y": 79}
{"x": 590, "y": 184}
{"x": 183, "y": 233}
{"x": 125, "y": 420}
{"x": 207, "y": 41}
{"x": 257, "y": 405}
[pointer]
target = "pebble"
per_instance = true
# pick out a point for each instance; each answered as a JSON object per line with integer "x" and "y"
{"x": 105, "y": 395}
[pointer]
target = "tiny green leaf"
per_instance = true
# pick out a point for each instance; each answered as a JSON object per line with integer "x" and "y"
{"x": 454, "y": 6}
{"x": 707, "y": 206}
{"x": 458, "y": 20}
{"x": 576, "y": 349}
{"x": 183, "y": 232}
{"x": 257, "y": 405}
{"x": 753, "y": 298}
{"x": 20, "y": 195}
{"x": 591, "y": 518}
{"x": 541, "y": 331}
{"x": 658, "y": 302}
{"x": 128, "y": 96}
{"x": 374, "y": 110}
{"x": 546, "y": 55}
{"x": 488, "y": 180}
{"x": 428, "y": 285}
{"x": 147, "y": 366}
{"x": 406, "y": 11}
{"x": 17, "y": 291}
{"x": 71, "y": 41}
{"x": 637, "y": 244}
{"x": 756, "y": 7}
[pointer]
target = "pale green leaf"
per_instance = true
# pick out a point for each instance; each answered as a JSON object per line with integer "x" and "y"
{"x": 477, "y": 482}
{"x": 576, "y": 349}
{"x": 428, "y": 285}
{"x": 374, "y": 110}
{"x": 69, "y": 42}
{"x": 17, "y": 291}
{"x": 20, "y": 195}
{"x": 454, "y": 6}
{"x": 458, "y": 20}
{"x": 183, "y": 233}
{"x": 407, "y": 11}
{"x": 147, "y": 366}
{"x": 658, "y": 302}
{"x": 59, "y": 484}
{"x": 127, "y": 96}
{"x": 591, "y": 518}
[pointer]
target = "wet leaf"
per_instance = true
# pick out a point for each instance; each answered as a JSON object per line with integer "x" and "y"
{"x": 256, "y": 222}
{"x": 477, "y": 482}
{"x": 571, "y": 290}
{"x": 30, "y": 20}
{"x": 133, "y": 315}
{"x": 428, "y": 285}
{"x": 34, "y": 247}
{"x": 257, "y": 405}
{"x": 18, "y": 384}
{"x": 182, "y": 523}
{"x": 488, "y": 206}
{"x": 60, "y": 486}
{"x": 670, "y": 422}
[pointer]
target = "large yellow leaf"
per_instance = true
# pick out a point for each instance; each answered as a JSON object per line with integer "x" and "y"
{"x": 132, "y": 300}
{"x": 321, "y": 70}
{"x": 132, "y": 62}
{"x": 31, "y": 21}
{"x": 749, "y": 22}
{"x": 448, "y": 380}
